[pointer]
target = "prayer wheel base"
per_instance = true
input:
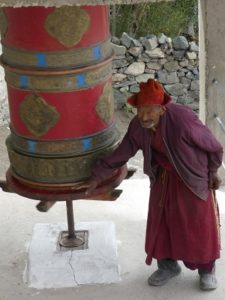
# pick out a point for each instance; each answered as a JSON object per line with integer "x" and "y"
{"x": 65, "y": 192}
{"x": 66, "y": 241}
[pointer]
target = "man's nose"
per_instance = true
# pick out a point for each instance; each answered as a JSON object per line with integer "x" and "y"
{"x": 144, "y": 117}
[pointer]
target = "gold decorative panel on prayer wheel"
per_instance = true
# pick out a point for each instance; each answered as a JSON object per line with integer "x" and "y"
{"x": 67, "y": 24}
{"x": 105, "y": 105}
{"x": 38, "y": 115}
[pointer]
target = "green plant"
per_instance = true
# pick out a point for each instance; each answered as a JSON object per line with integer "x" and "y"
{"x": 171, "y": 18}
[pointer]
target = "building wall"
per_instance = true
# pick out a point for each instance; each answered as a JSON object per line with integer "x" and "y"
{"x": 212, "y": 66}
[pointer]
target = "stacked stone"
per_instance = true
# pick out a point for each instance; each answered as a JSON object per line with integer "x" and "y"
{"x": 4, "y": 110}
{"x": 174, "y": 62}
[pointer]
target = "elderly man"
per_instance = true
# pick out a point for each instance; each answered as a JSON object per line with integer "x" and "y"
{"x": 181, "y": 158}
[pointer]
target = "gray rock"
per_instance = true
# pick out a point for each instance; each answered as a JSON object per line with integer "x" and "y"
{"x": 184, "y": 63}
{"x": 196, "y": 77}
{"x": 154, "y": 66}
{"x": 185, "y": 99}
{"x": 172, "y": 66}
{"x": 124, "y": 89}
{"x": 122, "y": 70}
{"x": 190, "y": 75}
{"x": 156, "y": 53}
{"x": 150, "y": 42}
{"x": 170, "y": 58}
{"x": 154, "y": 60}
{"x": 135, "y": 43}
{"x": 136, "y": 68}
{"x": 195, "y": 85}
{"x": 119, "y": 63}
{"x": 119, "y": 50}
{"x": 195, "y": 71}
{"x": 191, "y": 55}
{"x": 134, "y": 88}
{"x": 119, "y": 98}
{"x": 131, "y": 78}
{"x": 165, "y": 47}
{"x": 169, "y": 51}
{"x": 193, "y": 47}
{"x": 190, "y": 67}
{"x": 177, "y": 89}
{"x": 180, "y": 73}
{"x": 162, "y": 38}
{"x": 135, "y": 51}
{"x": 169, "y": 43}
{"x": 119, "y": 57}
{"x": 130, "y": 58}
{"x": 118, "y": 77}
{"x": 185, "y": 81}
{"x": 4, "y": 109}
{"x": 169, "y": 40}
{"x": 126, "y": 40}
{"x": 144, "y": 77}
{"x": 150, "y": 71}
{"x": 144, "y": 57}
{"x": 123, "y": 84}
{"x": 194, "y": 94}
{"x": 180, "y": 43}
{"x": 194, "y": 62}
{"x": 194, "y": 106}
{"x": 162, "y": 61}
{"x": 178, "y": 55}
{"x": 167, "y": 78}
{"x": 185, "y": 70}
{"x": 115, "y": 40}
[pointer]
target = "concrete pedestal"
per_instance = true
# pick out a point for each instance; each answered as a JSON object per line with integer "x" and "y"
{"x": 49, "y": 266}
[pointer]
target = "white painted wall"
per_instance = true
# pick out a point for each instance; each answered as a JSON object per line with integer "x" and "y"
{"x": 212, "y": 65}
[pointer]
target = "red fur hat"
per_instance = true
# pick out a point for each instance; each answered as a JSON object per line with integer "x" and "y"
{"x": 151, "y": 92}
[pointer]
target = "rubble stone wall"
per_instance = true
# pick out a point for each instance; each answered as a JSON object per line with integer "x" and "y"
{"x": 174, "y": 62}
{"x": 4, "y": 111}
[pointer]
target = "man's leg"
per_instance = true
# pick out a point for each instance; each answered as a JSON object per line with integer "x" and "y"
{"x": 207, "y": 274}
{"x": 167, "y": 269}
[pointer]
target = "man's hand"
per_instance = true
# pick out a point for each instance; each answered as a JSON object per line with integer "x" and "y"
{"x": 89, "y": 186}
{"x": 214, "y": 181}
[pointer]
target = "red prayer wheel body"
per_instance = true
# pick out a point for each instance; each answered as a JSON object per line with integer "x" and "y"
{"x": 58, "y": 71}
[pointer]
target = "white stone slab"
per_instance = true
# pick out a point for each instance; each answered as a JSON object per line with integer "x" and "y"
{"x": 49, "y": 267}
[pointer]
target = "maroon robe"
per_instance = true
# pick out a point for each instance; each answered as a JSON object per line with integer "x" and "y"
{"x": 179, "y": 226}
{"x": 182, "y": 221}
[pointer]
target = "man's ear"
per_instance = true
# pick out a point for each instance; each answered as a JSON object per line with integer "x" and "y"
{"x": 162, "y": 110}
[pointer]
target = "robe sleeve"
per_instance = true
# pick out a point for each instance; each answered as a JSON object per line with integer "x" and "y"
{"x": 202, "y": 137}
{"x": 104, "y": 168}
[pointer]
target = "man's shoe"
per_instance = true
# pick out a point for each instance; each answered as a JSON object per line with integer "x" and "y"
{"x": 208, "y": 280}
{"x": 167, "y": 269}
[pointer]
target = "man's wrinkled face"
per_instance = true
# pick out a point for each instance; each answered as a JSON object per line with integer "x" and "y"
{"x": 149, "y": 115}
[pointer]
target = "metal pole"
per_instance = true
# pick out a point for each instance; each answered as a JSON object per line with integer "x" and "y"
{"x": 69, "y": 239}
{"x": 70, "y": 219}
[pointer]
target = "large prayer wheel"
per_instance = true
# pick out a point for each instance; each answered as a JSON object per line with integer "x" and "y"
{"x": 58, "y": 71}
